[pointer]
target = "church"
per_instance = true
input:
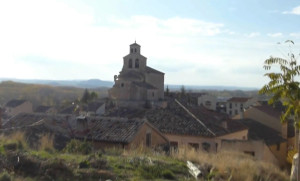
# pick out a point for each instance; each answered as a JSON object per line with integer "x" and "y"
{"x": 137, "y": 83}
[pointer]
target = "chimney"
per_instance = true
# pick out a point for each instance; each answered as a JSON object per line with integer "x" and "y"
{"x": 81, "y": 123}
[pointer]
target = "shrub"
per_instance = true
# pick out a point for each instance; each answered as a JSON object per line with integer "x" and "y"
{"x": 78, "y": 147}
{"x": 5, "y": 177}
{"x": 168, "y": 174}
{"x": 46, "y": 143}
{"x": 84, "y": 164}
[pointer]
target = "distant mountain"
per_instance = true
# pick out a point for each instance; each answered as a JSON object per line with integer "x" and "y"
{"x": 90, "y": 84}
{"x": 97, "y": 83}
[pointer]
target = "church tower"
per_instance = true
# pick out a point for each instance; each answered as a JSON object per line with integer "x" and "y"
{"x": 137, "y": 83}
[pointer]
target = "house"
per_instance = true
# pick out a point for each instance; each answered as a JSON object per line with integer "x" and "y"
{"x": 137, "y": 84}
{"x": 95, "y": 108}
{"x": 14, "y": 107}
{"x": 182, "y": 125}
{"x": 264, "y": 143}
{"x": 120, "y": 132}
{"x": 237, "y": 105}
{"x": 45, "y": 109}
{"x": 208, "y": 101}
{"x": 270, "y": 116}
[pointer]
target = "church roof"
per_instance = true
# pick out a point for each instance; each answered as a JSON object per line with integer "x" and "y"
{"x": 135, "y": 44}
{"x": 152, "y": 70}
{"x": 144, "y": 85}
{"x": 131, "y": 75}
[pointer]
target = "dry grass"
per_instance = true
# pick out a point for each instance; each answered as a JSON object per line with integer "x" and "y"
{"x": 46, "y": 143}
{"x": 232, "y": 165}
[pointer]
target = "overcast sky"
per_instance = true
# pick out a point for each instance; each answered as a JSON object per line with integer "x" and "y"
{"x": 195, "y": 42}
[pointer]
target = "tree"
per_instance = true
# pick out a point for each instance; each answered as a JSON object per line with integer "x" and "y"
{"x": 167, "y": 91}
{"x": 85, "y": 97}
{"x": 182, "y": 91}
{"x": 283, "y": 86}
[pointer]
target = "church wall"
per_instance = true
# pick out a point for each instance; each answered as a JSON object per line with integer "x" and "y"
{"x": 157, "y": 80}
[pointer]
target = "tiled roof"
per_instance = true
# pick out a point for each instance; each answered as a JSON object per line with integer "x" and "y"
{"x": 42, "y": 109}
{"x": 131, "y": 75}
{"x": 14, "y": 103}
{"x": 258, "y": 131}
{"x": 238, "y": 99}
{"x": 215, "y": 121}
{"x": 152, "y": 70}
{"x": 271, "y": 110}
{"x": 113, "y": 129}
{"x": 93, "y": 106}
{"x": 135, "y": 44}
{"x": 144, "y": 85}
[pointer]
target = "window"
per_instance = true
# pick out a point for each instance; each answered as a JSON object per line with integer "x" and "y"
{"x": 205, "y": 146}
{"x": 230, "y": 105}
{"x": 230, "y": 113}
{"x": 207, "y": 103}
{"x": 235, "y": 112}
{"x": 130, "y": 63}
{"x": 137, "y": 63}
{"x": 135, "y": 50}
{"x": 174, "y": 145}
{"x": 131, "y": 50}
{"x": 148, "y": 139}
{"x": 242, "y": 107}
{"x": 194, "y": 145}
{"x": 252, "y": 153}
{"x": 152, "y": 94}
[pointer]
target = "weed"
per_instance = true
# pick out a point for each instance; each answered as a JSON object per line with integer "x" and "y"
{"x": 76, "y": 146}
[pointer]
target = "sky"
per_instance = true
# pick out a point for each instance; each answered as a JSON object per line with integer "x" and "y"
{"x": 194, "y": 42}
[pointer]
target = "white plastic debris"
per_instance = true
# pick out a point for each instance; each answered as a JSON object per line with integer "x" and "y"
{"x": 193, "y": 169}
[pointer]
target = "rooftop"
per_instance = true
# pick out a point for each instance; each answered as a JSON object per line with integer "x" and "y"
{"x": 258, "y": 131}
{"x": 14, "y": 103}
{"x": 238, "y": 99}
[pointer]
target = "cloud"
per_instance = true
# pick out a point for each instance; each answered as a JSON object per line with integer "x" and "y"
{"x": 295, "y": 35}
{"x": 295, "y": 11}
{"x": 252, "y": 35}
{"x": 274, "y": 34}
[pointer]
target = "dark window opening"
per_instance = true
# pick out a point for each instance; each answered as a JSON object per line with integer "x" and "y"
{"x": 207, "y": 103}
{"x": 206, "y": 146}
{"x": 130, "y": 63}
{"x": 131, "y": 50}
{"x": 230, "y": 113}
{"x": 137, "y": 63}
{"x": 252, "y": 153}
{"x": 135, "y": 50}
{"x": 230, "y": 105}
{"x": 148, "y": 139}
{"x": 174, "y": 145}
{"x": 194, "y": 145}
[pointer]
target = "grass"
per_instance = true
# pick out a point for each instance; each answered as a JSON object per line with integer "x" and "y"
{"x": 78, "y": 161}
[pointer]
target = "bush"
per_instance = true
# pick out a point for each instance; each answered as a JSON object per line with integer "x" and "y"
{"x": 84, "y": 164}
{"x": 168, "y": 174}
{"x": 5, "y": 177}
{"x": 78, "y": 147}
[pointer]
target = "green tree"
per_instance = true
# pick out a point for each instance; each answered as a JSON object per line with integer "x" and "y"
{"x": 182, "y": 91}
{"x": 167, "y": 91}
{"x": 85, "y": 97}
{"x": 283, "y": 86}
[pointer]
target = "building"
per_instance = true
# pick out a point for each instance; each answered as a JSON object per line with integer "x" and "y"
{"x": 208, "y": 101}
{"x": 45, "y": 109}
{"x": 183, "y": 125}
{"x": 237, "y": 105}
{"x": 14, "y": 107}
{"x": 137, "y": 83}
{"x": 264, "y": 143}
{"x": 120, "y": 132}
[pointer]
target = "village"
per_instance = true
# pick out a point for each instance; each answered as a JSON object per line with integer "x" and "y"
{"x": 140, "y": 111}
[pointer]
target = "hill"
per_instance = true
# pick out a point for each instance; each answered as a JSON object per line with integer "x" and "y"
{"x": 43, "y": 94}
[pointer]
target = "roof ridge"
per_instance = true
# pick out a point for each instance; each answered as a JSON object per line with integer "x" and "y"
{"x": 191, "y": 114}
